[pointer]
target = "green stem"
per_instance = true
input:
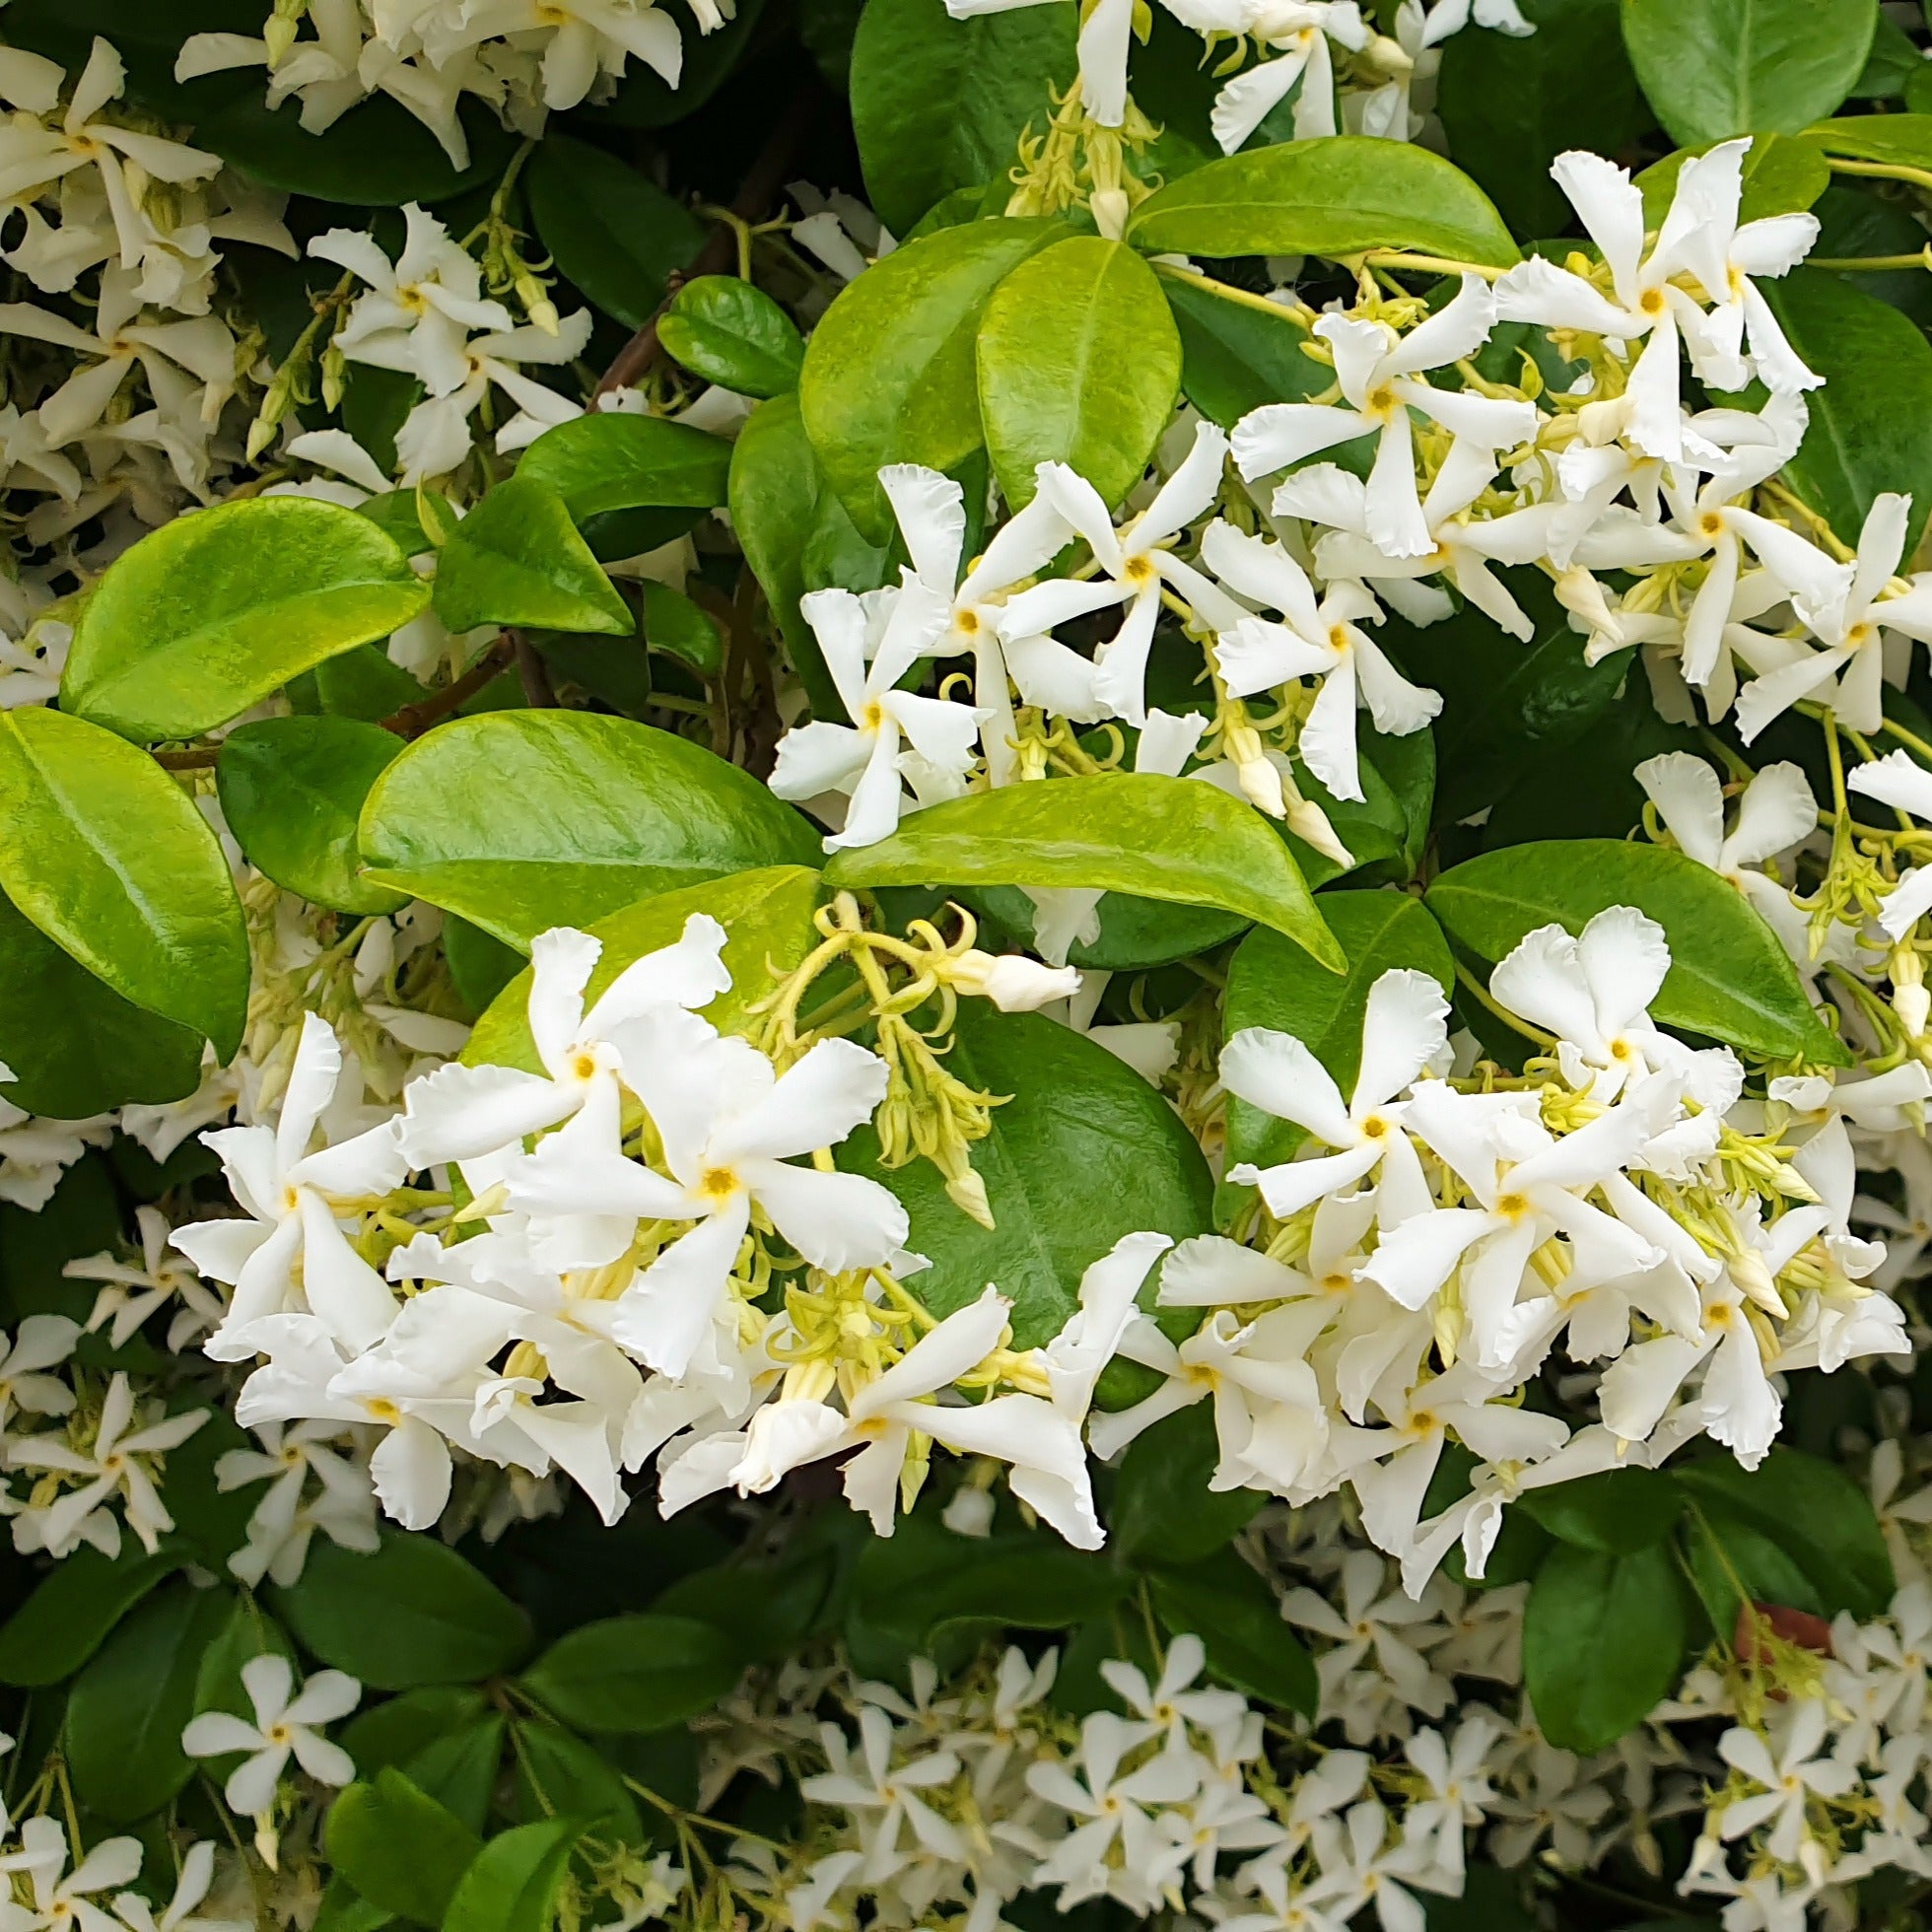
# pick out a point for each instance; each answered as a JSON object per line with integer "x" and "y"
{"x": 1223, "y": 291}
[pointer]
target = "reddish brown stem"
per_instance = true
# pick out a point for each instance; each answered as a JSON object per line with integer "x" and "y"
{"x": 412, "y": 720}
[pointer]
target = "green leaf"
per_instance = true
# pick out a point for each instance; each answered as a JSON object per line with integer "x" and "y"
{"x": 1567, "y": 85}
{"x": 108, "y": 855}
{"x": 1163, "y": 1510}
{"x": 291, "y": 790}
{"x": 674, "y": 623}
{"x": 413, "y": 1613}
{"x": 637, "y": 1673}
{"x": 1714, "y": 68}
{"x": 1871, "y": 424}
{"x": 1162, "y": 838}
{"x": 611, "y": 231}
{"x": 129, "y": 1707}
{"x": 1780, "y": 176}
{"x": 632, "y": 482}
{"x": 1079, "y": 363}
{"x": 526, "y": 819}
{"x": 1274, "y": 983}
{"x": 558, "y": 1772}
{"x": 1616, "y": 1510}
{"x": 939, "y": 104}
{"x": 397, "y": 1729}
{"x": 1729, "y": 977}
{"x": 766, "y": 1610}
{"x": 1603, "y": 1643}
{"x": 1336, "y": 195}
{"x": 1082, "y": 1154}
{"x": 767, "y": 917}
{"x": 187, "y": 628}
{"x": 1815, "y": 1512}
{"x": 73, "y": 1610}
{"x": 1732, "y": 1563}
{"x": 516, "y": 559}
{"x": 1890, "y": 65}
{"x": 1234, "y": 358}
{"x": 889, "y": 371}
{"x": 513, "y": 1883}
{"x": 1234, "y": 1613}
{"x": 398, "y": 1848}
{"x": 75, "y": 1047}
{"x": 1899, "y": 140}
{"x": 733, "y": 333}
{"x": 460, "y": 1768}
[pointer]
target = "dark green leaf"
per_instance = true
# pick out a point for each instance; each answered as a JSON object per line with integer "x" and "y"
{"x": 1234, "y": 358}
{"x": 638, "y": 1673}
{"x": 398, "y": 1848}
{"x": 1163, "y": 1510}
{"x": 513, "y": 1883}
{"x": 556, "y": 1772}
{"x": 397, "y": 1729}
{"x": 516, "y": 559}
{"x": 1234, "y": 1613}
{"x": 1616, "y": 1510}
{"x": 72, "y": 1610}
{"x": 1603, "y": 1643}
{"x": 674, "y": 623}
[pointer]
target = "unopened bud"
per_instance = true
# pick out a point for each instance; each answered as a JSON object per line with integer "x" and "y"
{"x": 1909, "y": 1000}
{"x": 1109, "y": 208}
{"x": 1309, "y": 823}
{"x": 1754, "y": 1282}
{"x": 1013, "y": 983}
{"x": 278, "y": 35}
{"x": 967, "y": 1192}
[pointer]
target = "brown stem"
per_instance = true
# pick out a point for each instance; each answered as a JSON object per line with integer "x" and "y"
{"x": 538, "y": 692}
{"x": 412, "y": 720}
{"x": 640, "y": 355}
{"x": 201, "y": 758}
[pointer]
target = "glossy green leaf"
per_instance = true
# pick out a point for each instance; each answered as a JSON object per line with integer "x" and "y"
{"x": 395, "y": 1730}
{"x": 1603, "y": 1643}
{"x": 412, "y": 1612}
{"x": 672, "y": 623}
{"x": 1235, "y": 1614}
{"x": 767, "y": 916}
{"x": 1162, "y": 838}
{"x": 1272, "y": 982}
{"x": 631, "y": 482}
{"x": 108, "y": 855}
{"x": 1163, "y": 1510}
{"x": 186, "y": 629}
{"x": 74, "y": 1046}
{"x": 1083, "y": 1152}
{"x": 398, "y": 1848}
{"x": 555, "y": 1772}
{"x": 939, "y": 104}
{"x": 1079, "y": 363}
{"x": 1899, "y": 140}
{"x": 1511, "y": 102}
{"x": 1815, "y": 1512}
{"x": 611, "y": 229}
{"x": 526, "y": 819}
{"x": 1714, "y": 68}
{"x": 1729, "y": 977}
{"x": 1871, "y": 425}
{"x": 513, "y": 1884}
{"x": 516, "y": 559}
{"x": 73, "y": 1609}
{"x": 1337, "y": 195}
{"x": 291, "y": 790}
{"x": 1781, "y": 176}
{"x": 1733, "y": 1562}
{"x": 1616, "y": 1510}
{"x": 889, "y": 371}
{"x": 129, "y": 1707}
{"x": 1234, "y": 358}
{"x": 638, "y": 1673}
{"x": 733, "y": 333}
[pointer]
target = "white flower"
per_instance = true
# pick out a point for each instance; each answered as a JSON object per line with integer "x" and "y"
{"x": 130, "y": 1294}
{"x": 1790, "y": 1774}
{"x": 1169, "y": 1706}
{"x": 896, "y": 737}
{"x": 887, "y": 1797}
{"x": 283, "y": 1522}
{"x": 39, "y": 1343}
{"x": 1380, "y": 374}
{"x": 591, "y": 39}
{"x": 1013, "y": 982}
{"x": 62, "y": 1897}
{"x": 286, "y": 1721}
{"x": 1456, "y": 1789}
{"x": 179, "y": 1915}
{"x": 1298, "y": 32}
{"x": 435, "y": 436}
{"x": 1896, "y": 780}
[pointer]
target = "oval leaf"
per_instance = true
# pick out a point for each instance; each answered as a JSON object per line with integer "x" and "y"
{"x": 1079, "y": 363}
{"x": 291, "y": 790}
{"x": 1337, "y": 195}
{"x": 108, "y": 855}
{"x": 632, "y": 1674}
{"x": 525, "y": 819}
{"x": 399, "y": 1849}
{"x": 1233, "y": 1612}
{"x": 516, "y": 559}
{"x": 735, "y": 335}
{"x": 1162, "y": 838}
{"x": 513, "y": 1883}
{"x": 74, "y": 1609}
{"x": 616, "y": 461}
{"x": 186, "y": 630}
{"x": 1603, "y": 1642}
{"x": 1729, "y": 977}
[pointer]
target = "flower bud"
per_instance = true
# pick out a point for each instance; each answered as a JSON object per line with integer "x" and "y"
{"x": 1309, "y": 823}
{"x": 1109, "y": 208}
{"x": 1013, "y": 983}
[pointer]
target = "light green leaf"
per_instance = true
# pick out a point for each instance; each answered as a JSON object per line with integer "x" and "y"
{"x": 1603, "y": 1643}
{"x": 939, "y": 104}
{"x": 412, "y": 1612}
{"x": 1079, "y": 364}
{"x": 733, "y": 333}
{"x": 516, "y": 559}
{"x": 75, "y": 1047}
{"x": 1162, "y": 838}
{"x": 889, "y": 371}
{"x": 398, "y": 1848}
{"x": 633, "y": 1673}
{"x": 1274, "y": 983}
{"x": 1337, "y": 195}
{"x": 1729, "y": 978}
{"x": 513, "y": 1883}
{"x": 612, "y": 231}
{"x": 522, "y": 820}
{"x": 1899, "y": 140}
{"x": 187, "y": 628}
{"x": 1714, "y": 68}
{"x": 108, "y": 855}
{"x": 1083, "y": 1151}
{"x": 767, "y": 917}
{"x": 291, "y": 790}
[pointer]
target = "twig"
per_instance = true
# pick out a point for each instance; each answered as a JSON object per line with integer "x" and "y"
{"x": 538, "y": 691}
{"x": 639, "y": 354}
{"x": 201, "y": 758}
{"x": 412, "y": 720}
